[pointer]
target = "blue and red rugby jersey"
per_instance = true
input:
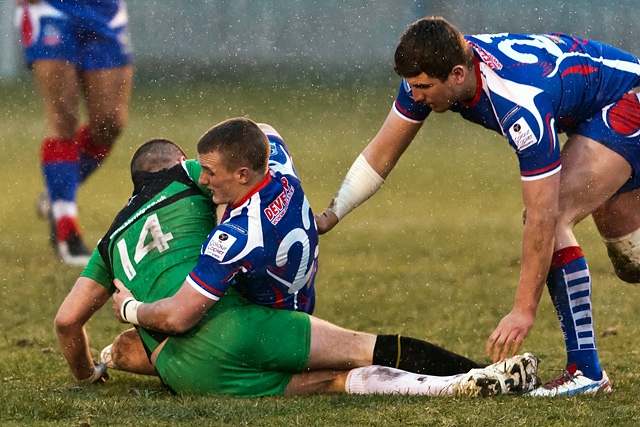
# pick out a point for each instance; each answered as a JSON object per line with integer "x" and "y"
{"x": 267, "y": 245}
{"x": 533, "y": 87}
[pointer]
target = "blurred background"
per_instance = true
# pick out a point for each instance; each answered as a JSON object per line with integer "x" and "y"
{"x": 323, "y": 40}
{"x": 435, "y": 254}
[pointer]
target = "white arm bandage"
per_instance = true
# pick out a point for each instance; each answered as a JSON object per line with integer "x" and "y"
{"x": 361, "y": 182}
{"x": 129, "y": 310}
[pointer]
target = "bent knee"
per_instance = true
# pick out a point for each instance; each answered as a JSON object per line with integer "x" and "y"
{"x": 624, "y": 253}
{"x": 125, "y": 347}
{"x": 107, "y": 130}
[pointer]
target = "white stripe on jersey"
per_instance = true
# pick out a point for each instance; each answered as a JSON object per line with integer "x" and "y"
{"x": 514, "y": 92}
{"x": 409, "y": 119}
{"x": 254, "y": 232}
{"x": 201, "y": 290}
{"x": 617, "y": 64}
{"x": 544, "y": 175}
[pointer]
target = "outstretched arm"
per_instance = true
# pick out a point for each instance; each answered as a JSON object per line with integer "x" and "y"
{"x": 176, "y": 314}
{"x": 370, "y": 169}
{"x": 86, "y": 297}
{"x": 541, "y": 204}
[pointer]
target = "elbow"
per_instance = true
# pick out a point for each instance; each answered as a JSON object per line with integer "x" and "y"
{"x": 64, "y": 323}
{"x": 178, "y": 323}
{"x": 175, "y": 328}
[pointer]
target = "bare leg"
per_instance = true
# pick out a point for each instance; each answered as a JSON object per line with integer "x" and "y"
{"x": 128, "y": 354}
{"x": 333, "y": 347}
{"x": 107, "y": 94}
{"x": 619, "y": 215}
{"x": 317, "y": 382}
{"x": 591, "y": 174}
{"x": 618, "y": 221}
{"x": 377, "y": 379}
{"x": 58, "y": 84}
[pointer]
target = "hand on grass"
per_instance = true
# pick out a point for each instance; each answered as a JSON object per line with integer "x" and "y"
{"x": 505, "y": 341}
{"x": 99, "y": 374}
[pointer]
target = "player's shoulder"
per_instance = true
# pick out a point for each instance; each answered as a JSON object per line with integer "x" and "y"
{"x": 280, "y": 159}
{"x": 226, "y": 241}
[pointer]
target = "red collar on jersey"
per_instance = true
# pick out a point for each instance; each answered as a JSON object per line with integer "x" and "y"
{"x": 478, "y": 85}
{"x": 265, "y": 181}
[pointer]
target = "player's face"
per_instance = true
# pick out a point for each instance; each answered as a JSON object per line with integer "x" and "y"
{"x": 224, "y": 184}
{"x": 438, "y": 95}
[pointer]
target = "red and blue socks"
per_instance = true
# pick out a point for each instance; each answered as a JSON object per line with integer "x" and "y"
{"x": 569, "y": 284}
{"x": 59, "y": 159}
{"x": 91, "y": 154}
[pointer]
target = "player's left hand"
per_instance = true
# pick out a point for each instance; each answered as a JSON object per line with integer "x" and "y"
{"x": 505, "y": 341}
{"x": 118, "y": 298}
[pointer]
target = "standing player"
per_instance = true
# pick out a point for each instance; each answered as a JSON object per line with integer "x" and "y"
{"x": 238, "y": 347}
{"x": 530, "y": 88}
{"x": 76, "y": 49}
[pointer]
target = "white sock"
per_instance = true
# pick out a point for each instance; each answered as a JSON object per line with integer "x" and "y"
{"x": 62, "y": 208}
{"x": 377, "y": 379}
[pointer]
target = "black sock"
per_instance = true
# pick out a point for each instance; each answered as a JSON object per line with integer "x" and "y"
{"x": 420, "y": 357}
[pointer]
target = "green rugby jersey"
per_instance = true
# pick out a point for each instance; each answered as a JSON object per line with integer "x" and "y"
{"x": 155, "y": 240}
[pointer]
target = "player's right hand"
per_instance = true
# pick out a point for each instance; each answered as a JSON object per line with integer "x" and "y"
{"x": 506, "y": 339}
{"x": 118, "y": 299}
{"x": 99, "y": 374}
{"x": 326, "y": 221}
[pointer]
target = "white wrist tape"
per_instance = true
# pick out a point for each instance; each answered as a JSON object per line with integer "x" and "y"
{"x": 129, "y": 310}
{"x": 361, "y": 182}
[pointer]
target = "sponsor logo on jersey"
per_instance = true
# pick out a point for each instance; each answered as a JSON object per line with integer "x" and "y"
{"x": 276, "y": 210}
{"x": 219, "y": 245}
{"x": 486, "y": 57}
{"x": 237, "y": 228}
{"x": 522, "y": 135}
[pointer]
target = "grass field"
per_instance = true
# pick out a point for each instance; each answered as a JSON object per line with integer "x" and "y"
{"x": 435, "y": 255}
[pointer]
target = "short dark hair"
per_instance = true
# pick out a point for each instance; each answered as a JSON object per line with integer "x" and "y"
{"x": 155, "y": 155}
{"x": 240, "y": 142}
{"x": 432, "y": 46}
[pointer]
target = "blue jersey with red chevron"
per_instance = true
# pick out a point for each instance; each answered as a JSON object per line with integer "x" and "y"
{"x": 533, "y": 87}
{"x": 266, "y": 245}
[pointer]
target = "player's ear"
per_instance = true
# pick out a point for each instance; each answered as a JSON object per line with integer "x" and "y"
{"x": 459, "y": 73}
{"x": 244, "y": 175}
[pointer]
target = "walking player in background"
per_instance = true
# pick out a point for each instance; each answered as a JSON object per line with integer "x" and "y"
{"x": 530, "y": 88}
{"x": 77, "y": 50}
